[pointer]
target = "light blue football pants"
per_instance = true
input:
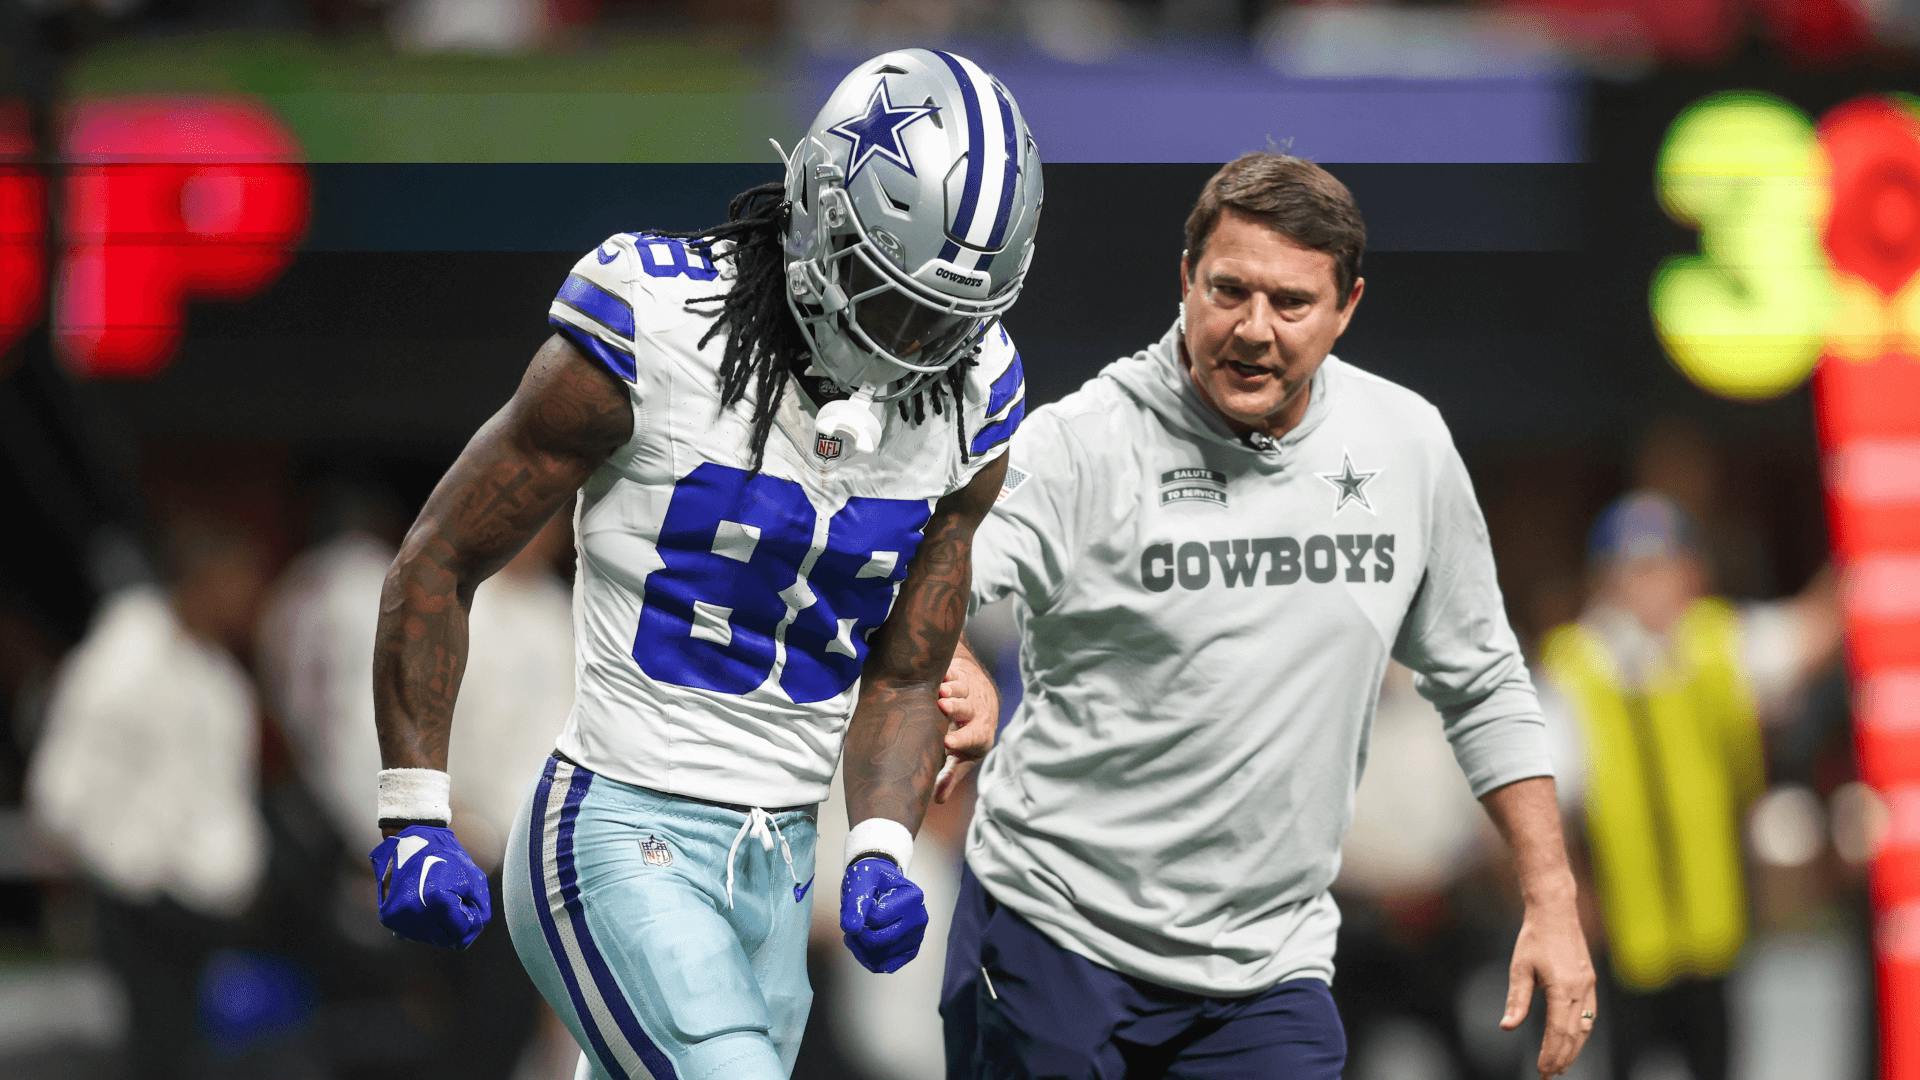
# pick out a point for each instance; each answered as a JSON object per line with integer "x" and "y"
{"x": 669, "y": 934}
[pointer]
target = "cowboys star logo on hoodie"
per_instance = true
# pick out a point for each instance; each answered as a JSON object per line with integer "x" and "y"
{"x": 1349, "y": 484}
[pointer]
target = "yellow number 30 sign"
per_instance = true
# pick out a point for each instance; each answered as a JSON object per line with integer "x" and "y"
{"x": 1809, "y": 239}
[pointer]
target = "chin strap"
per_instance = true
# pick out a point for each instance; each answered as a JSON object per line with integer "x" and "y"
{"x": 856, "y": 421}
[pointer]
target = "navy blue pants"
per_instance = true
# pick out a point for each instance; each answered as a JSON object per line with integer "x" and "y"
{"x": 1015, "y": 1005}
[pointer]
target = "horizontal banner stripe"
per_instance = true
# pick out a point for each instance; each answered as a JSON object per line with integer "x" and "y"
{"x": 571, "y": 208}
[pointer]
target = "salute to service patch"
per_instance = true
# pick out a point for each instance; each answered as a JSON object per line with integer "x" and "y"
{"x": 1186, "y": 485}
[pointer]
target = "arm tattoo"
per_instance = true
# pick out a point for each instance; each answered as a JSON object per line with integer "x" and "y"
{"x": 521, "y": 466}
{"x": 894, "y": 743}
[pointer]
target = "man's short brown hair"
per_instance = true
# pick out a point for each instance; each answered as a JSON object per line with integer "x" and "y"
{"x": 1292, "y": 196}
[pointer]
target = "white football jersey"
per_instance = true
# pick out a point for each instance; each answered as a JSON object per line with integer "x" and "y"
{"x": 721, "y": 616}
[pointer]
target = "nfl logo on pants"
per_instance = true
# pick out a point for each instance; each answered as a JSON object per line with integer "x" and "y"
{"x": 656, "y": 852}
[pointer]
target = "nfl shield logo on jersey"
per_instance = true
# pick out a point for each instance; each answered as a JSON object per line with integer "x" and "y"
{"x": 656, "y": 852}
{"x": 827, "y": 447}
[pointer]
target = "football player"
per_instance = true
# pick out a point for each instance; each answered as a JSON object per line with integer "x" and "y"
{"x": 783, "y": 432}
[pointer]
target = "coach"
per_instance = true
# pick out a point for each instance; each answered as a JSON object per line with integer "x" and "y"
{"x": 1217, "y": 544}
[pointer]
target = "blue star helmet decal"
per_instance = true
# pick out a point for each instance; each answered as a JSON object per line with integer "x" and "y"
{"x": 877, "y": 131}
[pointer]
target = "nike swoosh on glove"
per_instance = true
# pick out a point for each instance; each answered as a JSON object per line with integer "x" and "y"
{"x": 430, "y": 890}
{"x": 883, "y": 916}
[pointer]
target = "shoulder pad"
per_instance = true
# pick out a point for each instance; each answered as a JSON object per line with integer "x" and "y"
{"x": 595, "y": 308}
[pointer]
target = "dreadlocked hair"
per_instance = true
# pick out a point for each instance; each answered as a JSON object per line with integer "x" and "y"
{"x": 951, "y": 384}
{"x": 764, "y": 344}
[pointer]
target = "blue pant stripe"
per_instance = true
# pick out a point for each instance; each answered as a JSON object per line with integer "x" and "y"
{"x": 536, "y": 869}
{"x": 616, "y": 1000}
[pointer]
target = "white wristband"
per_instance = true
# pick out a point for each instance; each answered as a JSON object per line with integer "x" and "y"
{"x": 415, "y": 795}
{"x": 880, "y": 836}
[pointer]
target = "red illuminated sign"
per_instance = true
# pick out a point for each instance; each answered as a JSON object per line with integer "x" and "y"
{"x": 22, "y": 230}
{"x": 167, "y": 200}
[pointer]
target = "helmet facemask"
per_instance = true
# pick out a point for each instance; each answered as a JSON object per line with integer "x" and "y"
{"x": 874, "y": 328}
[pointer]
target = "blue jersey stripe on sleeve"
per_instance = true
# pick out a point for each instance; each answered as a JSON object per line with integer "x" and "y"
{"x": 1000, "y": 430}
{"x": 597, "y": 304}
{"x": 612, "y": 357}
{"x": 1006, "y": 386}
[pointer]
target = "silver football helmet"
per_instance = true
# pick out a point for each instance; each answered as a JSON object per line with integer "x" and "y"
{"x": 915, "y": 196}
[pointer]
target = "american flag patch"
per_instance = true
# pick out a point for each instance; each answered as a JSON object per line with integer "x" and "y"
{"x": 1015, "y": 478}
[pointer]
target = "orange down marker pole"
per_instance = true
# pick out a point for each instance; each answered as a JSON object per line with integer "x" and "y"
{"x": 1867, "y": 395}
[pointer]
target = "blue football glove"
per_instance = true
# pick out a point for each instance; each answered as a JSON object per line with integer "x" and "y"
{"x": 882, "y": 914}
{"x": 430, "y": 890}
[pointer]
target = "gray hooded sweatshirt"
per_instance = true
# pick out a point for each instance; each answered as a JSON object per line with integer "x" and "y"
{"x": 1204, "y": 621}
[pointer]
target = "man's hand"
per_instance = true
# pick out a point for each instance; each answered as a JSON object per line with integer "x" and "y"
{"x": 972, "y": 706}
{"x": 1551, "y": 954}
{"x": 1552, "y": 951}
{"x": 429, "y": 890}
{"x": 882, "y": 915}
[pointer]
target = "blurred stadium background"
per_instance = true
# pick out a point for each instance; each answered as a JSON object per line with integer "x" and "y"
{"x": 264, "y": 265}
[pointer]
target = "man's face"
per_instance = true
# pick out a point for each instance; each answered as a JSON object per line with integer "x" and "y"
{"x": 1656, "y": 589}
{"x": 1262, "y": 315}
{"x": 226, "y": 590}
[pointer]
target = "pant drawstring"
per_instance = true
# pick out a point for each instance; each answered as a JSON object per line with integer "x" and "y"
{"x": 762, "y": 827}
